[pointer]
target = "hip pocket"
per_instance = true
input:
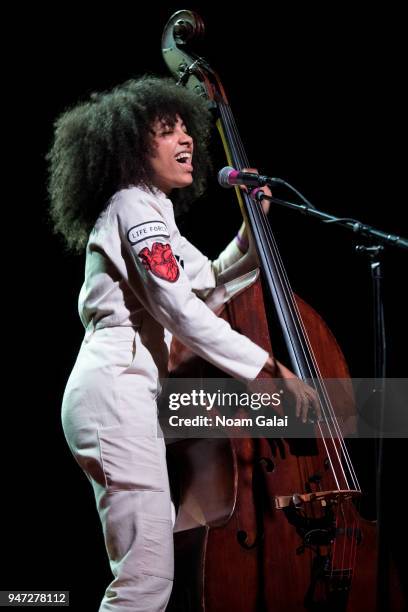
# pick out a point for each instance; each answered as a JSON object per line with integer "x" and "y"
{"x": 125, "y": 347}
{"x": 131, "y": 458}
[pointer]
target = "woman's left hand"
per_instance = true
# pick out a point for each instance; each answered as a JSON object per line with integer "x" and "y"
{"x": 265, "y": 203}
{"x": 243, "y": 232}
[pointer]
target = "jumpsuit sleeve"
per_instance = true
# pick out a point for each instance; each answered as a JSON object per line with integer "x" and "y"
{"x": 167, "y": 294}
{"x": 202, "y": 272}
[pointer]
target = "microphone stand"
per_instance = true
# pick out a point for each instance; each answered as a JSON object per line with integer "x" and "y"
{"x": 374, "y": 253}
{"x": 352, "y": 224}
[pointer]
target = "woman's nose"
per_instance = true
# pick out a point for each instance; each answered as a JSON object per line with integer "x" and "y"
{"x": 184, "y": 137}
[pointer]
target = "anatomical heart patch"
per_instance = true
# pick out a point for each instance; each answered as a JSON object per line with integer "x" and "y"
{"x": 160, "y": 261}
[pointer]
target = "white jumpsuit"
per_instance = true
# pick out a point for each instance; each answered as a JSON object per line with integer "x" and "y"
{"x": 141, "y": 276}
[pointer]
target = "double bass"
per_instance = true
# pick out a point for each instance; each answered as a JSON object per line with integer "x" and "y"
{"x": 266, "y": 525}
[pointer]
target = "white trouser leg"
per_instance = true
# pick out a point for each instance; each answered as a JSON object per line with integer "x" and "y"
{"x": 129, "y": 478}
{"x": 140, "y": 550}
{"x": 110, "y": 421}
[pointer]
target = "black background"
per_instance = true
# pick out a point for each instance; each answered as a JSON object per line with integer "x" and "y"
{"x": 315, "y": 92}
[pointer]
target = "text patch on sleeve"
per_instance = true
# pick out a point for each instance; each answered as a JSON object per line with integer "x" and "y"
{"x": 146, "y": 230}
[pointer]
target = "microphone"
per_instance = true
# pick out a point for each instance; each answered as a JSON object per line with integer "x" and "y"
{"x": 228, "y": 177}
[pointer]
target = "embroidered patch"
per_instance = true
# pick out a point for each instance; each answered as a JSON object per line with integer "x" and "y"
{"x": 148, "y": 229}
{"x": 160, "y": 261}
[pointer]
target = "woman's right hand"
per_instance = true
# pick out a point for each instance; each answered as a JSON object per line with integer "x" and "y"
{"x": 304, "y": 396}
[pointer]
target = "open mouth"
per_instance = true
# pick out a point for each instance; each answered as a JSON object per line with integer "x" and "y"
{"x": 183, "y": 158}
